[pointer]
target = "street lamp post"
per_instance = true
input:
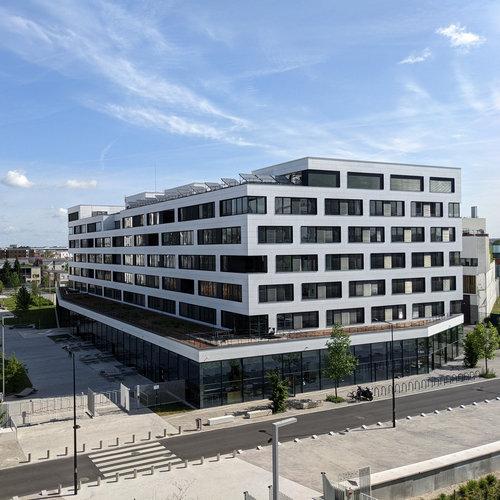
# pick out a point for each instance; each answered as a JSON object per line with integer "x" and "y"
{"x": 75, "y": 427}
{"x": 276, "y": 474}
{"x": 392, "y": 370}
{"x": 3, "y": 353}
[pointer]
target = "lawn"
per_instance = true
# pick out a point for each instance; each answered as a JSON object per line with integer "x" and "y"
{"x": 43, "y": 316}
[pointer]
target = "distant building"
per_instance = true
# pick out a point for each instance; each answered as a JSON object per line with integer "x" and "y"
{"x": 495, "y": 251}
{"x": 31, "y": 274}
{"x": 15, "y": 252}
{"x": 480, "y": 288}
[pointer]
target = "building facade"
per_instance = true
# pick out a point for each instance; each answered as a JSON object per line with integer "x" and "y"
{"x": 480, "y": 285}
{"x": 276, "y": 259}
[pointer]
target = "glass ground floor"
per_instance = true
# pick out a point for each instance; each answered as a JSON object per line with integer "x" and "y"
{"x": 244, "y": 379}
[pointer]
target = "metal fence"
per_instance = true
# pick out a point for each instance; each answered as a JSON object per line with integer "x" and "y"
{"x": 429, "y": 383}
{"x": 161, "y": 394}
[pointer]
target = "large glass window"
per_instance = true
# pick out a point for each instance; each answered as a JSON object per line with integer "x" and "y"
{"x": 455, "y": 259}
{"x": 194, "y": 212}
{"x": 407, "y": 234}
{"x": 443, "y": 234}
{"x": 431, "y": 259}
{"x": 296, "y": 263}
{"x": 198, "y": 313}
{"x": 444, "y": 284}
{"x": 181, "y": 285}
{"x": 243, "y": 205}
{"x": 428, "y": 310}
{"x": 160, "y": 304}
{"x": 225, "y": 291}
{"x": 250, "y": 325}
{"x": 408, "y": 285}
{"x": 275, "y": 234}
{"x": 387, "y": 260}
{"x": 366, "y": 234}
{"x": 366, "y": 288}
{"x": 276, "y": 293}
{"x": 387, "y": 208}
{"x": 344, "y": 262}
{"x": 453, "y": 209}
{"x": 388, "y": 313}
{"x": 323, "y": 290}
{"x": 345, "y": 317}
{"x": 320, "y": 178}
{"x": 197, "y": 262}
{"x": 162, "y": 217}
{"x": 320, "y": 234}
{"x": 343, "y": 207}
{"x": 426, "y": 209}
{"x": 243, "y": 263}
{"x": 406, "y": 183}
{"x": 441, "y": 185}
{"x": 295, "y": 206}
{"x": 219, "y": 236}
{"x": 155, "y": 260}
{"x": 297, "y": 321}
{"x": 177, "y": 238}
{"x": 356, "y": 180}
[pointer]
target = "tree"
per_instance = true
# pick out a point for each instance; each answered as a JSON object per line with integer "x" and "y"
{"x": 340, "y": 363}
{"x": 23, "y": 299}
{"x": 6, "y": 274}
{"x": 1, "y": 286}
{"x": 16, "y": 378}
{"x": 489, "y": 344}
{"x": 17, "y": 268}
{"x": 472, "y": 348}
{"x": 279, "y": 391}
{"x": 35, "y": 293}
{"x": 45, "y": 281}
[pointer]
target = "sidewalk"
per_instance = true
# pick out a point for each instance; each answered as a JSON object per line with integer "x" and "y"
{"x": 187, "y": 419}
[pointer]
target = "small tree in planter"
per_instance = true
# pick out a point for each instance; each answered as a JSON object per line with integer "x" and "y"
{"x": 279, "y": 391}
{"x": 23, "y": 300}
{"x": 489, "y": 344}
{"x": 340, "y": 363}
{"x": 472, "y": 348}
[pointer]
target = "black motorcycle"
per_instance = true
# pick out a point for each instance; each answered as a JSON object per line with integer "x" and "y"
{"x": 362, "y": 394}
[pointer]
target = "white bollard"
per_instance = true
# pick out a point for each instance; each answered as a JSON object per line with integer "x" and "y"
{"x": 169, "y": 467}
{"x": 422, "y": 414}
{"x": 186, "y": 464}
{"x": 449, "y": 409}
{"x": 436, "y": 412}
{"x": 164, "y": 433}
{"x": 462, "y": 406}
{"x": 234, "y": 454}
{"x": 59, "y": 490}
{"x": 474, "y": 403}
{"x": 218, "y": 457}
{"x": 152, "y": 470}
{"x": 202, "y": 460}
{"x": 180, "y": 429}
{"x": 117, "y": 476}
{"x": 117, "y": 441}
{"x": 259, "y": 447}
{"x": 149, "y": 436}
{"x": 379, "y": 424}
{"x": 364, "y": 427}
{"x": 314, "y": 436}
{"x": 133, "y": 438}
{"x": 100, "y": 444}
{"x": 135, "y": 473}
{"x": 486, "y": 400}
{"x": 98, "y": 481}
{"x": 408, "y": 417}
{"x": 296, "y": 440}
{"x": 331, "y": 433}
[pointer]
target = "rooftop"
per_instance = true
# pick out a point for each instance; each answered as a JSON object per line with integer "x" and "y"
{"x": 204, "y": 337}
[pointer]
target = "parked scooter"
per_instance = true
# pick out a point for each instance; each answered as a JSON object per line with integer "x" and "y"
{"x": 362, "y": 394}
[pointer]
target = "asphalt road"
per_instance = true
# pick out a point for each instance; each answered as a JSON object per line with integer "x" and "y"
{"x": 29, "y": 479}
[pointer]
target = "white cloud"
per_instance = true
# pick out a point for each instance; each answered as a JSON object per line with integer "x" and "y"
{"x": 417, "y": 57}
{"x": 60, "y": 213}
{"x": 459, "y": 37}
{"x": 16, "y": 178}
{"x": 80, "y": 184}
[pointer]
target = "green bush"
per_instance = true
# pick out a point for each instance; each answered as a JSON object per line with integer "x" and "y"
{"x": 331, "y": 398}
{"x": 16, "y": 376}
{"x": 279, "y": 391}
{"x": 486, "y": 488}
{"x": 488, "y": 374}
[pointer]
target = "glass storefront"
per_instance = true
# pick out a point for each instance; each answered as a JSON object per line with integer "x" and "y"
{"x": 236, "y": 380}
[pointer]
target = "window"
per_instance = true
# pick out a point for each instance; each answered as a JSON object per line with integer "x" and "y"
{"x": 431, "y": 259}
{"x": 112, "y": 293}
{"x": 455, "y": 259}
{"x": 239, "y": 323}
{"x": 326, "y": 290}
{"x": 275, "y": 293}
{"x": 335, "y": 206}
{"x": 94, "y": 227}
{"x": 177, "y": 238}
{"x": 145, "y": 240}
{"x": 343, "y": 262}
{"x": 133, "y": 259}
{"x": 219, "y": 236}
{"x": 156, "y": 260}
{"x": 193, "y": 212}
{"x": 345, "y": 317}
{"x": 428, "y": 310}
{"x": 243, "y": 263}
{"x": 456, "y": 307}
{"x": 443, "y": 234}
{"x": 126, "y": 222}
{"x": 388, "y": 313}
{"x": 320, "y": 178}
{"x": 408, "y": 285}
{"x": 297, "y": 321}
{"x": 407, "y": 234}
{"x": 137, "y": 299}
{"x": 243, "y": 205}
{"x": 275, "y": 234}
{"x": 199, "y": 262}
{"x": 469, "y": 284}
{"x": 198, "y": 313}
{"x": 163, "y": 305}
{"x": 387, "y": 208}
{"x": 406, "y": 183}
{"x": 178, "y": 285}
{"x": 225, "y": 291}
{"x": 469, "y": 262}
{"x": 72, "y": 216}
{"x": 128, "y": 241}
{"x": 387, "y": 260}
{"x": 444, "y": 283}
{"x": 112, "y": 258}
{"x": 296, "y": 263}
{"x": 426, "y": 209}
{"x": 101, "y": 274}
{"x": 295, "y": 206}
{"x": 162, "y": 217}
{"x": 320, "y": 234}
{"x": 441, "y": 185}
{"x": 453, "y": 209}
{"x": 147, "y": 280}
{"x": 357, "y": 180}
{"x": 366, "y": 234}
{"x": 366, "y": 288}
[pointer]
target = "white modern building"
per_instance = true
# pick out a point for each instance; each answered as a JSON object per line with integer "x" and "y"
{"x": 263, "y": 266}
{"x": 480, "y": 286}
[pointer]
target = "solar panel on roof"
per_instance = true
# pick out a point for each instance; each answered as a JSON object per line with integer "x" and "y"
{"x": 200, "y": 189}
{"x": 250, "y": 178}
{"x": 213, "y": 186}
{"x": 267, "y": 178}
{"x": 229, "y": 182}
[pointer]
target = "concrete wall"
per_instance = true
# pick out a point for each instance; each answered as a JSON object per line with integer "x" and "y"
{"x": 430, "y": 475}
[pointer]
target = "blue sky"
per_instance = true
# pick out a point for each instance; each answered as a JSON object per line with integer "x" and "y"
{"x": 95, "y": 95}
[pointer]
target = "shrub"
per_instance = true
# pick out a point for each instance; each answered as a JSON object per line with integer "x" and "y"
{"x": 472, "y": 349}
{"x": 279, "y": 391}
{"x": 331, "y": 398}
